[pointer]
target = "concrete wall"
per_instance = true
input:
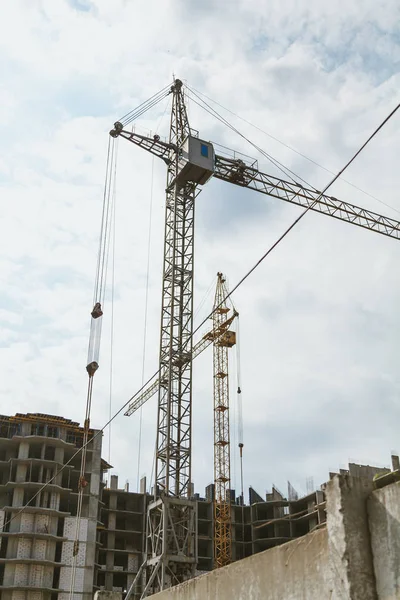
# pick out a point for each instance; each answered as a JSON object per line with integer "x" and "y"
{"x": 384, "y": 520}
{"x": 293, "y": 571}
{"x": 355, "y": 557}
{"x": 349, "y": 540}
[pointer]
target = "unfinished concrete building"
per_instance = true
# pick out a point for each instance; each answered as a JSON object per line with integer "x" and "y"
{"x": 121, "y": 536}
{"x": 37, "y": 544}
{"x": 36, "y": 551}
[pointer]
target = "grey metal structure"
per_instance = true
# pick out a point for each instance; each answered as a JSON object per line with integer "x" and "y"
{"x": 171, "y": 518}
{"x": 171, "y": 530}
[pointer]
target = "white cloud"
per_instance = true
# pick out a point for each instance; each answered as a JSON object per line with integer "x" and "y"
{"x": 319, "y": 319}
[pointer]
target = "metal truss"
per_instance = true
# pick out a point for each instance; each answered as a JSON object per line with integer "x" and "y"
{"x": 237, "y": 172}
{"x": 170, "y": 525}
{"x": 171, "y": 532}
{"x": 222, "y": 476}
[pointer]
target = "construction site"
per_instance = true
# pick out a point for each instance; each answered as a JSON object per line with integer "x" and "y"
{"x": 70, "y": 531}
{"x": 37, "y": 547}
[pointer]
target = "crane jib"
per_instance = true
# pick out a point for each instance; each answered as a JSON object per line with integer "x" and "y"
{"x": 238, "y": 173}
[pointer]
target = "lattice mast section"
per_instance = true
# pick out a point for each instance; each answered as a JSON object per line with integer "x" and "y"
{"x": 173, "y": 460}
{"x": 171, "y": 520}
{"x": 222, "y": 476}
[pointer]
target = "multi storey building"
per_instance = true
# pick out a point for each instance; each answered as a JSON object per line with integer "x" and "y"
{"x": 37, "y": 542}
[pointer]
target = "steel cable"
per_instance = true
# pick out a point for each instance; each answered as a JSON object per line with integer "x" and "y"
{"x": 294, "y": 150}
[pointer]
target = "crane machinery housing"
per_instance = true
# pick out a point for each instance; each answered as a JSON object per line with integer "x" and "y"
{"x": 171, "y": 535}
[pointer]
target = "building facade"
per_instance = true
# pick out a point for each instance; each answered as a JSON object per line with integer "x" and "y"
{"x": 37, "y": 543}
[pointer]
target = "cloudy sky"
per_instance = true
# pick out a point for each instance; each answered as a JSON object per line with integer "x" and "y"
{"x": 320, "y": 317}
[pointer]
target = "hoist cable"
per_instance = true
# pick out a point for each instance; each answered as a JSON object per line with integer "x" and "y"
{"x": 106, "y": 234}
{"x": 314, "y": 162}
{"x": 153, "y": 466}
{"x": 233, "y": 421}
{"x": 239, "y": 384}
{"x": 280, "y": 166}
{"x": 75, "y": 549}
{"x": 204, "y": 299}
{"x": 112, "y": 307}
{"x": 94, "y": 340}
{"x": 96, "y": 285}
{"x": 146, "y": 302}
{"x": 240, "y": 424}
{"x": 146, "y": 299}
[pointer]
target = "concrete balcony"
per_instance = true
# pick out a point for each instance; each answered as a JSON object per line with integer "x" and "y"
{"x": 30, "y": 561}
{"x": 33, "y": 535}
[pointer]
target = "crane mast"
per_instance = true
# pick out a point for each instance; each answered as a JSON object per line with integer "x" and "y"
{"x": 222, "y": 469}
{"x": 171, "y": 538}
{"x": 171, "y": 522}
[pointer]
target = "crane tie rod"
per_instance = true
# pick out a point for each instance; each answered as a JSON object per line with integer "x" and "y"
{"x": 193, "y": 90}
{"x": 145, "y": 106}
{"x": 119, "y": 411}
{"x": 209, "y": 109}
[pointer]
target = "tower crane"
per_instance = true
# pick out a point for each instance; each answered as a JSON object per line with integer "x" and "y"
{"x": 171, "y": 533}
{"x": 222, "y": 338}
{"x": 222, "y": 465}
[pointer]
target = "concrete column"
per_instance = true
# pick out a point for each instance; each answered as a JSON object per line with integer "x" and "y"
{"x": 18, "y": 497}
{"x": 26, "y": 428}
{"x": 20, "y": 473}
{"x": 23, "y": 450}
{"x": 349, "y": 539}
{"x": 384, "y": 521}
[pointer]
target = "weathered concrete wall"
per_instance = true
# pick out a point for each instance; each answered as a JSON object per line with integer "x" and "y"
{"x": 384, "y": 520}
{"x": 356, "y": 557}
{"x": 349, "y": 539}
{"x": 293, "y": 571}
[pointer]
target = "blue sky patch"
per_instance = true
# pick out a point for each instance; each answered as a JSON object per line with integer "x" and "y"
{"x": 81, "y": 5}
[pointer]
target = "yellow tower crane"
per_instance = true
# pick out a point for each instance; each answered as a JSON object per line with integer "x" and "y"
{"x": 222, "y": 468}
